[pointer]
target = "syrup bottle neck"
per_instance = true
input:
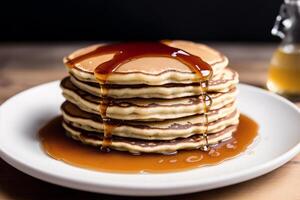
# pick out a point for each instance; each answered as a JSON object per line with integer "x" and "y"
{"x": 287, "y": 24}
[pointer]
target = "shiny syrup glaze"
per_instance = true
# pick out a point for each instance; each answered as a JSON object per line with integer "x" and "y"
{"x": 125, "y": 52}
{"x": 56, "y": 144}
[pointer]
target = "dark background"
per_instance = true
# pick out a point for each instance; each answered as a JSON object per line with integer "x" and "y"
{"x": 217, "y": 20}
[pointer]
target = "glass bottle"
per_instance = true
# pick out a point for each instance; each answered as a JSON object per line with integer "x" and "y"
{"x": 284, "y": 69}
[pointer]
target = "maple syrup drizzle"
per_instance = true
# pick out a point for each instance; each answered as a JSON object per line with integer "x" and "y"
{"x": 125, "y": 52}
{"x": 206, "y": 107}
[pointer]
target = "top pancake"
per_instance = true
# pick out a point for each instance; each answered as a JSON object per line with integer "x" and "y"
{"x": 149, "y": 70}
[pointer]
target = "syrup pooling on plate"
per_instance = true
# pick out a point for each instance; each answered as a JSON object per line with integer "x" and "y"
{"x": 60, "y": 147}
{"x": 125, "y": 52}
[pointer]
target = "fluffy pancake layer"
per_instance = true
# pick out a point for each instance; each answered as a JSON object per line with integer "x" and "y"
{"x": 149, "y": 70}
{"x": 146, "y": 146}
{"x": 219, "y": 83}
{"x": 145, "y": 109}
{"x": 162, "y": 130}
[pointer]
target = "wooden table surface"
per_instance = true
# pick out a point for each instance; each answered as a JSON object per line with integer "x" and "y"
{"x": 25, "y": 65}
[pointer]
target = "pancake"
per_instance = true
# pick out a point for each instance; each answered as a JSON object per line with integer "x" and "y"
{"x": 153, "y": 98}
{"x": 163, "y": 130}
{"x": 148, "y": 70}
{"x": 147, "y": 146}
{"x": 145, "y": 109}
{"x": 219, "y": 83}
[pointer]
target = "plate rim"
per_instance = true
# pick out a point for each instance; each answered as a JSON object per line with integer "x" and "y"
{"x": 185, "y": 187}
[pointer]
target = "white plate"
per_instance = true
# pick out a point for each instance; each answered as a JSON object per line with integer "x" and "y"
{"x": 22, "y": 116}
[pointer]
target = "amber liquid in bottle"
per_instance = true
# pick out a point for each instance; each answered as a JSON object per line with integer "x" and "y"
{"x": 284, "y": 71}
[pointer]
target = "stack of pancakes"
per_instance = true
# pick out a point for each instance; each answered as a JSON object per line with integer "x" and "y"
{"x": 155, "y": 103}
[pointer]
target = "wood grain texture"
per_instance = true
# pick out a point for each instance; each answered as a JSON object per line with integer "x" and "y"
{"x": 25, "y": 65}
